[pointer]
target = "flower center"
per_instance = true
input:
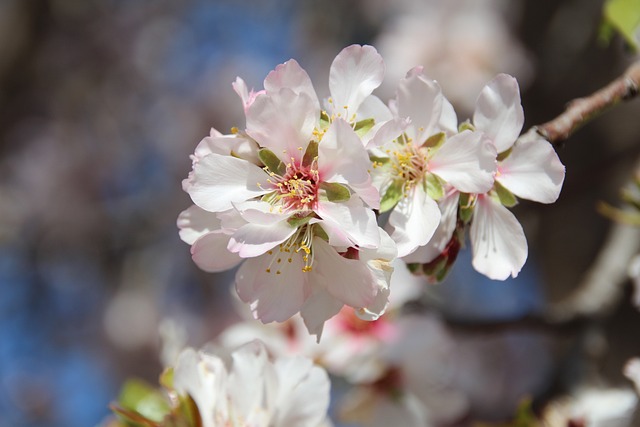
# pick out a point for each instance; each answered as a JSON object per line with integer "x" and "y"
{"x": 297, "y": 188}
{"x": 408, "y": 163}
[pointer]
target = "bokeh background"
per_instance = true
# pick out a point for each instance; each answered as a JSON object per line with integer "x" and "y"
{"x": 102, "y": 101}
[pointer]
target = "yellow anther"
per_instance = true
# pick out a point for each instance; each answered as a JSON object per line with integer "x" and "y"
{"x": 234, "y": 130}
{"x": 268, "y": 270}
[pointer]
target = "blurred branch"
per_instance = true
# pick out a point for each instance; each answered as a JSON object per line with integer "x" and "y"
{"x": 582, "y": 110}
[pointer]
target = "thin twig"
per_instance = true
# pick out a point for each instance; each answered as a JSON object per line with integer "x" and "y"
{"x": 582, "y": 110}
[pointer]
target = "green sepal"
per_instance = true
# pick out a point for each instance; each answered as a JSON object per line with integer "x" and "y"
{"x": 140, "y": 397}
{"x": 437, "y": 270}
{"x": 505, "y": 196}
{"x": 466, "y": 125}
{"x": 466, "y": 208}
{"x": 335, "y": 192}
{"x": 392, "y": 196}
{"x": 435, "y": 141}
{"x": 325, "y": 120}
{"x": 166, "y": 378}
{"x": 271, "y": 161}
{"x": 435, "y": 190}
{"x": 364, "y": 126}
{"x": 504, "y": 154}
{"x": 188, "y": 409}
{"x": 310, "y": 154}
{"x": 381, "y": 160}
{"x": 130, "y": 418}
{"x": 297, "y": 220}
{"x": 415, "y": 268}
{"x": 318, "y": 231}
{"x": 402, "y": 139}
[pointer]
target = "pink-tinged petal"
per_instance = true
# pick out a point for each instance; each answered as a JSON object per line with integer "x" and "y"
{"x": 467, "y": 161}
{"x": 532, "y": 171}
{"x": 421, "y": 100}
{"x": 247, "y": 96}
{"x": 260, "y": 212}
{"x": 354, "y": 74}
{"x": 195, "y": 222}
{"x": 219, "y": 181}
{"x": 252, "y": 240}
{"x": 272, "y": 296}
{"x": 210, "y": 253}
{"x": 378, "y": 307}
{"x": 413, "y": 221}
{"x": 319, "y": 307}
{"x": 283, "y": 122}
{"x": 292, "y": 76}
{"x": 498, "y": 241}
{"x": 357, "y": 222}
{"x": 499, "y": 113}
{"x": 342, "y": 158}
{"x": 228, "y": 145}
{"x": 449, "y": 209}
{"x": 348, "y": 280}
{"x": 303, "y": 392}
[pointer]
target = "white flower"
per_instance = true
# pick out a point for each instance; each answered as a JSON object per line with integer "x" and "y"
{"x": 412, "y": 170}
{"x": 252, "y": 390}
{"x": 527, "y": 168}
{"x": 299, "y": 210}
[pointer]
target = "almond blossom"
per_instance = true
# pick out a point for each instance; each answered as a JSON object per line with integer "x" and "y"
{"x": 528, "y": 168}
{"x": 297, "y": 201}
{"x": 249, "y": 389}
{"x": 412, "y": 169}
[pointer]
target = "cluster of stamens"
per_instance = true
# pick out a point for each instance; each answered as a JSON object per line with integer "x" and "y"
{"x": 408, "y": 163}
{"x": 297, "y": 188}
{"x": 300, "y": 242}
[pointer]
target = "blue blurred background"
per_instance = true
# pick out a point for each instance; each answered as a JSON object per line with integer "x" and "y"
{"x": 102, "y": 101}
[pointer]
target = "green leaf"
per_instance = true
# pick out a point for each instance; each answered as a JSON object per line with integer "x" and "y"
{"x": 435, "y": 141}
{"x": 166, "y": 378}
{"x": 140, "y": 397}
{"x": 364, "y": 126}
{"x": 296, "y": 221}
{"x": 506, "y": 197}
{"x": 435, "y": 190}
{"x": 131, "y": 418}
{"x": 271, "y": 161}
{"x": 504, "y": 154}
{"x": 392, "y": 196}
{"x": 310, "y": 154}
{"x": 624, "y": 16}
{"x": 335, "y": 192}
{"x": 319, "y": 232}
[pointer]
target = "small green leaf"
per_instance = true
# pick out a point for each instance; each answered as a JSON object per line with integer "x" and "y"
{"x": 435, "y": 190}
{"x": 392, "y": 196}
{"x": 271, "y": 161}
{"x": 319, "y": 232}
{"x": 296, "y": 220}
{"x": 335, "y": 192}
{"x": 325, "y": 120}
{"x": 506, "y": 197}
{"x": 435, "y": 141}
{"x": 131, "y": 418}
{"x": 466, "y": 208}
{"x": 166, "y": 378}
{"x": 415, "y": 268}
{"x": 140, "y": 397}
{"x": 364, "y": 126}
{"x": 466, "y": 125}
{"x": 624, "y": 16}
{"x": 310, "y": 154}
{"x": 504, "y": 154}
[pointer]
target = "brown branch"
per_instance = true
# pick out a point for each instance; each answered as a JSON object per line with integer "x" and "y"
{"x": 582, "y": 110}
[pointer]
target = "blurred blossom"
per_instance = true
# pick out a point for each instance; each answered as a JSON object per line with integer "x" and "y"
{"x": 593, "y": 407}
{"x": 461, "y": 43}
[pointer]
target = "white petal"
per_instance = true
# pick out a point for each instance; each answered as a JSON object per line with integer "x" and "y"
{"x": 373, "y": 108}
{"x": 248, "y": 368}
{"x": 357, "y": 222}
{"x": 498, "y": 241}
{"x": 383, "y": 133}
{"x": 195, "y": 222}
{"x": 204, "y": 378}
{"x": 466, "y": 161}
{"x": 319, "y": 307}
{"x": 347, "y": 280}
{"x": 252, "y": 240}
{"x": 354, "y": 74}
{"x": 210, "y": 253}
{"x": 449, "y": 209}
{"x": 499, "y": 113}
{"x": 219, "y": 181}
{"x": 448, "y": 120}
{"x": 419, "y": 99}
{"x": 342, "y": 158}
{"x": 303, "y": 393}
{"x": 273, "y": 296}
{"x": 413, "y": 221}
{"x": 292, "y": 76}
{"x": 532, "y": 171}
{"x": 283, "y": 122}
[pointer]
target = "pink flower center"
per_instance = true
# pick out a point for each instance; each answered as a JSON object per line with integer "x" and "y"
{"x": 297, "y": 188}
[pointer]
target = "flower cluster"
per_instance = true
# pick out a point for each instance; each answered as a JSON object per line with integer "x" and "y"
{"x": 295, "y": 195}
